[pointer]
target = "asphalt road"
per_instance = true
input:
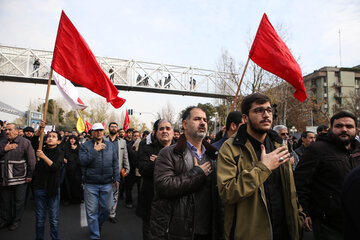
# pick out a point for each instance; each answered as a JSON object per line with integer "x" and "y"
{"x": 73, "y": 225}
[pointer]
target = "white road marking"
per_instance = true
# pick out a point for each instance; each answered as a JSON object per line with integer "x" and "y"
{"x": 83, "y": 220}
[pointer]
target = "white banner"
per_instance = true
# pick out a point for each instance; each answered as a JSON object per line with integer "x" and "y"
{"x": 69, "y": 91}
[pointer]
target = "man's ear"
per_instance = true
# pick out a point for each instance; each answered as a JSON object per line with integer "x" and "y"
{"x": 184, "y": 124}
{"x": 233, "y": 126}
{"x": 245, "y": 118}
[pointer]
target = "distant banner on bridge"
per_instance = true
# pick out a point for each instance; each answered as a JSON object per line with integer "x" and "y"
{"x": 69, "y": 92}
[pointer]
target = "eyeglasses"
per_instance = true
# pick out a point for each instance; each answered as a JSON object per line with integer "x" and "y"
{"x": 261, "y": 110}
{"x": 283, "y": 134}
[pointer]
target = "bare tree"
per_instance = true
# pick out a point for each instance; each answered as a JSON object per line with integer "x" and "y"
{"x": 97, "y": 110}
{"x": 167, "y": 112}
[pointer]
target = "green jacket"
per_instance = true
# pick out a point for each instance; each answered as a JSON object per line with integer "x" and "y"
{"x": 240, "y": 178}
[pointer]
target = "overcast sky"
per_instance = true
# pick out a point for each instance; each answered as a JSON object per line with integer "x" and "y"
{"x": 187, "y": 33}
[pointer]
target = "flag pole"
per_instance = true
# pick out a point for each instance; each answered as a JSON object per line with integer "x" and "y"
{"x": 238, "y": 89}
{"x": 42, "y": 133}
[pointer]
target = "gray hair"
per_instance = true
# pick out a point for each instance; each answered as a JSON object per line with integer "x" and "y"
{"x": 164, "y": 120}
{"x": 15, "y": 125}
{"x": 277, "y": 128}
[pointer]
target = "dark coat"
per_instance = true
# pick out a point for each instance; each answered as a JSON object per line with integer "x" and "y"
{"x": 48, "y": 177}
{"x": 351, "y": 207}
{"x": 18, "y": 164}
{"x": 319, "y": 177}
{"x": 173, "y": 207}
{"x": 146, "y": 170}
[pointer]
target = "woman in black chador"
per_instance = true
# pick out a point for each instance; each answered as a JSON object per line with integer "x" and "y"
{"x": 72, "y": 182}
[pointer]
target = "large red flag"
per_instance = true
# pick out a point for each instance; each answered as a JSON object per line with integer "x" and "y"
{"x": 126, "y": 121}
{"x": 74, "y": 61}
{"x": 271, "y": 53}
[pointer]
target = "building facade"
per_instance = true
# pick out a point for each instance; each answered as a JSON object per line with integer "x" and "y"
{"x": 333, "y": 89}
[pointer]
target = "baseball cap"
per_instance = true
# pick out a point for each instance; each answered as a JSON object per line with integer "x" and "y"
{"x": 97, "y": 126}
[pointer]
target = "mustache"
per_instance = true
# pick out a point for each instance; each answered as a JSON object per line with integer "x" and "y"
{"x": 265, "y": 120}
{"x": 344, "y": 133}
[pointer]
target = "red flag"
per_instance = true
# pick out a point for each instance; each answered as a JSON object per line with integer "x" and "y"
{"x": 74, "y": 61}
{"x": 126, "y": 121}
{"x": 271, "y": 53}
{"x": 88, "y": 126}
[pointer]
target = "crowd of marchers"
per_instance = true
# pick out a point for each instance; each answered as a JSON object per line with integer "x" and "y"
{"x": 253, "y": 181}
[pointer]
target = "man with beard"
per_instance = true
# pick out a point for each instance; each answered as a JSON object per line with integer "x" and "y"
{"x": 186, "y": 204}
{"x": 321, "y": 172}
{"x": 255, "y": 179}
{"x": 120, "y": 146}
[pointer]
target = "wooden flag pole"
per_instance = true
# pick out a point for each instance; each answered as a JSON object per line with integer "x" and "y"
{"x": 238, "y": 89}
{"x": 42, "y": 133}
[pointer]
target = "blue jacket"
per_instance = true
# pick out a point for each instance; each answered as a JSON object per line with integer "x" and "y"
{"x": 99, "y": 167}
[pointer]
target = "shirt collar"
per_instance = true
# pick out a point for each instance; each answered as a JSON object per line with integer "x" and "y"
{"x": 194, "y": 150}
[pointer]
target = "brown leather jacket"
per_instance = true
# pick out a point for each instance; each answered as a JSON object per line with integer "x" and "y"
{"x": 173, "y": 207}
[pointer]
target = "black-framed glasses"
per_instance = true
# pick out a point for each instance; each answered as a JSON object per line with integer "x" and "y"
{"x": 261, "y": 110}
{"x": 283, "y": 134}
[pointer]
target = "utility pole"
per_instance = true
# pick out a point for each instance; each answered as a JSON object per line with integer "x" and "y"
{"x": 340, "y": 47}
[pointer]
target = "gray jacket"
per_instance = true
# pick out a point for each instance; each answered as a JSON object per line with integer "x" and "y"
{"x": 122, "y": 153}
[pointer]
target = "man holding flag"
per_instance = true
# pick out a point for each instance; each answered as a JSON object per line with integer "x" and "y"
{"x": 255, "y": 178}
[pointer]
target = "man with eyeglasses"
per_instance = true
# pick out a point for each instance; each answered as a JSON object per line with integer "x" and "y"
{"x": 255, "y": 179}
{"x": 320, "y": 174}
{"x": 282, "y": 131}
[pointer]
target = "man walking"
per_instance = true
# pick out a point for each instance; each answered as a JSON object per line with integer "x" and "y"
{"x": 186, "y": 203}
{"x": 255, "y": 179}
{"x": 120, "y": 147}
{"x": 321, "y": 172}
{"x": 100, "y": 169}
{"x": 17, "y": 161}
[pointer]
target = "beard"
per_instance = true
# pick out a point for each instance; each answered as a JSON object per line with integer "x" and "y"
{"x": 112, "y": 132}
{"x": 337, "y": 139}
{"x": 255, "y": 128}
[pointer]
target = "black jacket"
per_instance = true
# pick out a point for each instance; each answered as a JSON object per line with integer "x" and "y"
{"x": 146, "y": 170}
{"x": 173, "y": 207}
{"x": 319, "y": 177}
{"x": 351, "y": 206}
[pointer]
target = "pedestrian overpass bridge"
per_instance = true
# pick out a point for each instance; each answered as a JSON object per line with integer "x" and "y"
{"x": 18, "y": 65}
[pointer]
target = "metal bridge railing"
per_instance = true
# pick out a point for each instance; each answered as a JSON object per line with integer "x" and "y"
{"x": 20, "y": 62}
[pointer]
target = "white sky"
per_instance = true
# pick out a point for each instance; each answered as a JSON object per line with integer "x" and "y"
{"x": 187, "y": 33}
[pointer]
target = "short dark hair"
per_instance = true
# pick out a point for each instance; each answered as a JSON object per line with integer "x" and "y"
{"x": 186, "y": 113}
{"x": 258, "y": 98}
{"x": 342, "y": 114}
{"x": 233, "y": 117}
{"x": 305, "y": 133}
{"x": 321, "y": 128}
{"x": 130, "y": 130}
{"x": 176, "y": 130}
{"x": 28, "y": 129}
{"x": 156, "y": 124}
{"x": 112, "y": 123}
